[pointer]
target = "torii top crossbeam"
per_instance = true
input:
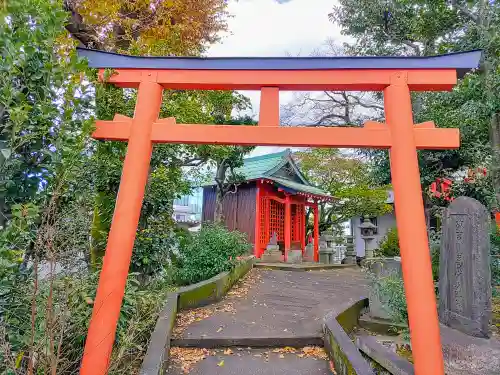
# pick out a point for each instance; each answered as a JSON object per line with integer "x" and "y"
{"x": 395, "y": 76}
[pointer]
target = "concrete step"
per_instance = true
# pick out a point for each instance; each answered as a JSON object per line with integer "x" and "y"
{"x": 249, "y": 361}
{"x": 255, "y": 341}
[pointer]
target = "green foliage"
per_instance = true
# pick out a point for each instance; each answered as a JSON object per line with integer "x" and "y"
{"x": 346, "y": 178}
{"x": 428, "y": 27}
{"x": 42, "y": 89}
{"x": 72, "y": 299}
{"x": 477, "y": 185}
{"x": 389, "y": 246}
{"x": 435, "y": 248}
{"x": 214, "y": 249}
{"x": 57, "y": 187}
{"x": 155, "y": 249}
{"x": 390, "y": 290}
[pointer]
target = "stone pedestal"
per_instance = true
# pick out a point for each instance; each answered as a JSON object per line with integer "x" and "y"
{"x": 272, "y": 254}
{"x": 368, "y": 252}
{"x": 350, "y": 255}
{"x": 325, "y": 255}
{"x": 294, "y": 256}
{"x": 380, "y": 268}
{"x": 309, "y": 253}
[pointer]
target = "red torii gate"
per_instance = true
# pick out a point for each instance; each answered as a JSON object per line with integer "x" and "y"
{"x": 395, "y": 76}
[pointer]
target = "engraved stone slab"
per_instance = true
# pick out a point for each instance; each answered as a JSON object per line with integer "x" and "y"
{"x": 464, "y": 268}
{"x": 381, "y": 268}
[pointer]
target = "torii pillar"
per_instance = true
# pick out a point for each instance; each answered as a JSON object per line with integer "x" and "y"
{"x": 116, "y": 262}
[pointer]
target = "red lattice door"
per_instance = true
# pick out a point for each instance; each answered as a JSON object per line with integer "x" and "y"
{"x": 277, "y": 219}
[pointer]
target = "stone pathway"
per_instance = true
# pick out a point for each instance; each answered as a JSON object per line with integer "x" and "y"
{"x": 241, "y": 361}
{"x": 280, "y": 304}
{"x": 270, "y": 310}
{"x": 467, "y": 355}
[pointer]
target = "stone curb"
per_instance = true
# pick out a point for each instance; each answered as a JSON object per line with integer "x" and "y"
{"x": 392, "y": 362}
{"x": 156, "y": 359}
{"x": 344, "y": 355}
{"x": 254, "y": 342}
{"x": 302, "y": 267}
{"x": 200, "y": 294}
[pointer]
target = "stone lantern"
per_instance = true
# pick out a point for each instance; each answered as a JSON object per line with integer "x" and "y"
{"x": 350, "y": 255}
{"x": 368, "y": 230}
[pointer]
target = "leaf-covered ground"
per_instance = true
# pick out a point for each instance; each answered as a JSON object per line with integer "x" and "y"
{"x": 306, "y": 360}
{"x": 239, "y": 290}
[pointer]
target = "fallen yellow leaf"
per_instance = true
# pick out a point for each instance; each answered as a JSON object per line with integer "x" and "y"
{"x": 221, "y": 363}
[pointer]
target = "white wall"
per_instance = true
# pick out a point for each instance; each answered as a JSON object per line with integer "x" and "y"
{"x": 384, "y": 224}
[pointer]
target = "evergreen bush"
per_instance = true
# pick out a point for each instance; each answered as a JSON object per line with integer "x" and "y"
{"x": 214, "y": 249}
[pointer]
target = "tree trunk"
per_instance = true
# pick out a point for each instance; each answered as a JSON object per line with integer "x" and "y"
{"x": 218, "y": 213}
{"x": 495, "y": 168}
{"x": 220, "y": 179}
{"x": 3, "y": 212}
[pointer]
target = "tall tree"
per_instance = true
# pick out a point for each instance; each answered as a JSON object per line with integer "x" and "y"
{"x": 168, "y": 28}
{"x": 332, "y": 108}
{"x": 44, "y": 104}
{"x": 347, "y": 178}
{"x": 225, "y": 160}
{"x": 428, "y": 27}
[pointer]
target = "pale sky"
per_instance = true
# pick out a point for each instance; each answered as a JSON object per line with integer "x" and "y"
{"x": 276, "y": 28}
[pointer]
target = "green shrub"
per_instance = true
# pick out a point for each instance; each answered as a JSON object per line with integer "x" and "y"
{"x": 154, "y": 250}
{"x": 391, "y": 293}
{"x": 72, "y": 298}
{"x": 389, "y": 247}
{"x": 435, "y": 247}
{"x": 212, "y": 250}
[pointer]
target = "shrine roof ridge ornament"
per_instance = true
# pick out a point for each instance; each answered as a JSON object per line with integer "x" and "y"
{"x": 462, "y": 62}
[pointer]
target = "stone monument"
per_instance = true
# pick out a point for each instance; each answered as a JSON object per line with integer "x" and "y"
{"x": 273, "y": 252}
{"x": 464, "y": 268}
{"x": 381, "y": 268}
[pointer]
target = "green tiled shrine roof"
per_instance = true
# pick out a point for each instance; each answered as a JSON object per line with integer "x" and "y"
{"x": 265, "y": 166}
{"x": 259, "y": 166}
{"x": 298, "y": 187}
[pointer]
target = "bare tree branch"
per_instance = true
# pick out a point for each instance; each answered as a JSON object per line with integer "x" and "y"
{"x": 464, "y": 10}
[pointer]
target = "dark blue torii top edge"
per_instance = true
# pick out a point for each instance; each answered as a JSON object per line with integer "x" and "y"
{"x": 462, "y": 62}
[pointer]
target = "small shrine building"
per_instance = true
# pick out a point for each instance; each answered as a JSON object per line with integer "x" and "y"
{"x": 272, "y": 199}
